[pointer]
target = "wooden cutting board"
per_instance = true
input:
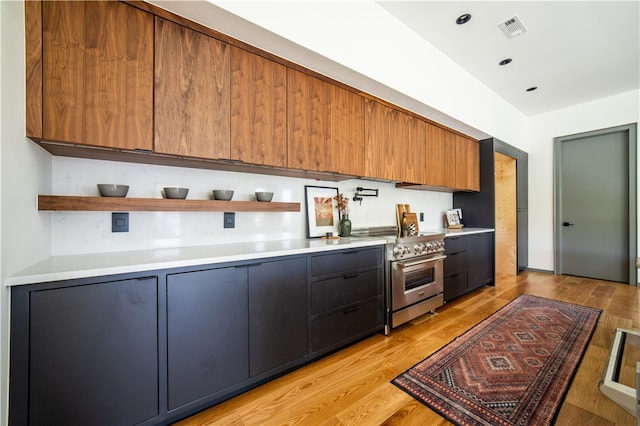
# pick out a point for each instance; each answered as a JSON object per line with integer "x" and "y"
{"x": 412, "y": 218}
{"x": 401, "y": 208}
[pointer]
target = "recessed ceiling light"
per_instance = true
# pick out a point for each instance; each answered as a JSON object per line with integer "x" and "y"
{"x": 506, "y": 61}
{"x": 463, "y": 19}
{"x": 531, "y": 89}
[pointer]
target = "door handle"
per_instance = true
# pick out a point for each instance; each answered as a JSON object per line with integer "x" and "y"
{"x": 567, "y": 224}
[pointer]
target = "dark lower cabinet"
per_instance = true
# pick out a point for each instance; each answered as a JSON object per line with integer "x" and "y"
{"x": 277, "y": 314}
{"x": 470, "y": 263}
{"x": 93, "y": 354}
{"x": 133, "y": 349}
{"x": 346, "y": 297}
{"x": 481, "y": 259}
{"x": 207, "y": 333}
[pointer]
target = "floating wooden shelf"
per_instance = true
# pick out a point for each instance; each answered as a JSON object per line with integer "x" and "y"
{"x": 81, "y": 203}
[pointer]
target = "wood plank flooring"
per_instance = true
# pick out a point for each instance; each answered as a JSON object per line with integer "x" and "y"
{"x": 351, "y": 386}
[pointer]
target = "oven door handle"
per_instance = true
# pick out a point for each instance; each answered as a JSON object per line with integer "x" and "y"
{"x": 420, "y": 262}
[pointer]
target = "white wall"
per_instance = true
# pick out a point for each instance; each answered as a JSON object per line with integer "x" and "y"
{"x": 87, "y": 232}
{"x": 25, "y": 170}
{"x": 608, "y": 112}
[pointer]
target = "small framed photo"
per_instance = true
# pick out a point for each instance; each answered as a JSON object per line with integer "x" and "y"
{"x": 322, "y": 214}
{"x": 452, "y": 218}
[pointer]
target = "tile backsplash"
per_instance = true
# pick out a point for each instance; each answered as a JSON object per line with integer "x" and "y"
{"x": 90, "y": 232}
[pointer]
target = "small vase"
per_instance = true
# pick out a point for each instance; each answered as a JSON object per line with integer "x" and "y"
{"x": 345, "y": 226}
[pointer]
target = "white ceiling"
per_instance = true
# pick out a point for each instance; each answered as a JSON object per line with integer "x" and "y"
{"x": 573, "y": 51}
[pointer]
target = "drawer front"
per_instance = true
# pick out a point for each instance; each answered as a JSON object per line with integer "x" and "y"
{"x": 337, "y": 329}
{"x": 456, "y": 263}
{"x": 455, "y": 245}
{"x": 336, "y": 262}
{"x": 345, "y": 290}
{"x": 455, "y": 285}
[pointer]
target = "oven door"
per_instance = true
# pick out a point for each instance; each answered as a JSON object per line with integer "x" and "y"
{"x": 415, "y": 280}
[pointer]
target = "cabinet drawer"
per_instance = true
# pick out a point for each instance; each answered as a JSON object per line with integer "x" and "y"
{"x": 456, "y": 263}
{"x": 333, "y": 330}
{"x": 455, "y": 285}
{"x": 348, "y": 289}
{"x": 455, "y": 245}
{"x": 345, "y": 261}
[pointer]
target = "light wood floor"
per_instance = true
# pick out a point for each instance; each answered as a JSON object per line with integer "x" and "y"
{"x": 351, "y": 387}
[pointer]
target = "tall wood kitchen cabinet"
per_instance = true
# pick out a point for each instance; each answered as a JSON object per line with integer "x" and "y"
{"x": 192, "y": 92}
{"x": 97, "y": 74}
{"x": 395, "y": 144}
{"x": 325, "y": 126}
{"x": 478, "y": 208}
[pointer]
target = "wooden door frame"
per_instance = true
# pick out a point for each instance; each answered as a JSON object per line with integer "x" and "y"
{"x": 631, "y": 134}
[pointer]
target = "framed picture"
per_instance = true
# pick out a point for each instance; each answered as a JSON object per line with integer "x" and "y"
{"x": 452, "y": 217}
{"x": 322, "y": 214}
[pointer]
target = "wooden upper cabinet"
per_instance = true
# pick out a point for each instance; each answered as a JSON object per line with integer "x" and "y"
{"x": 97, "y": 74}
{"x": 309, "y": 125}
{"x": 395, "y": 144}
{"x": 258, "y": 109}
{"x": 411, "y": 141}
{"x": 467, "y": 163}
{"x": 192, "y": 93}
{"x": 33, "y": 68}
{"x": 325, "y": 126}
{"x": 473, "y": 164}
{"x": 439, "y": 168}
{"x": 380, "y": 144}
{"x": 347, "y": 132}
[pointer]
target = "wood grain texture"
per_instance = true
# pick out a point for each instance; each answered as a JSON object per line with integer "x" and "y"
{"x": 80, "y": 203}
{"x": 467, "y": 162}
{"x": 506, "y": 214}
{"x": 346, "y": 142}
{"x": 98, "y": 74}
{"x": 435, "y": 151}
{"x": 258, "y": 109}
{"x": 380, "y": 145}
{"x": 33, "y": 67}
{"x": 192, "y": 93}
{"x": 309, "y": 130}
{"x": 412, "y": 143}
{"x": 352, "y": 386}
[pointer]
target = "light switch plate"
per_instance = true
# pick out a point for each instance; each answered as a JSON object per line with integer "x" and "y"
{"x": 229, "y": 220}
{"x": 119, "y": 222}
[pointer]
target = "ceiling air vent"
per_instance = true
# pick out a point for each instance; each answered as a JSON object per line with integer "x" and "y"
{"x": 512, "y": 27}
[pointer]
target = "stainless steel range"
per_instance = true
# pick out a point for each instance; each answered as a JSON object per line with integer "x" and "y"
{"x": 413, "y": 273}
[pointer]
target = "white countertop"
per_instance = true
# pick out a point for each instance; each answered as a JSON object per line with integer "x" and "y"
{"x": 466, "y": 231}
{"x": 57, "y": 268}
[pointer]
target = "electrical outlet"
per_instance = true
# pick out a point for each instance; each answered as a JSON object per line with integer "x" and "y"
{"x": 229, "y": 220}
{"x": 119, "y": 222}
{"x": 421, "y": 217}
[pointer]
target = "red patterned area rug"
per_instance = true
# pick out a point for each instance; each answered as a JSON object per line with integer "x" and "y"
{"x": 513, "y": 368}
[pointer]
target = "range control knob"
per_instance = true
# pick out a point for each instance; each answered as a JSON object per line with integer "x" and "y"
{"x": 397, "y": 251}
{"x": 419, "y": 248}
